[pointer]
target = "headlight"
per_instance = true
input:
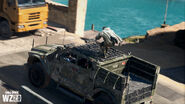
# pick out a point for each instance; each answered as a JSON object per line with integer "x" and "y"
{"x": 20, "y": 26}
{"x": 44, "y": 22}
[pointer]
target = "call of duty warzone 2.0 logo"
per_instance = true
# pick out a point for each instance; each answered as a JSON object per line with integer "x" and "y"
{"x": 11, "y": 96}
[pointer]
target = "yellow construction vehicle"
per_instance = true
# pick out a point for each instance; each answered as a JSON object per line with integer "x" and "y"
{"x": 22, "y": 16}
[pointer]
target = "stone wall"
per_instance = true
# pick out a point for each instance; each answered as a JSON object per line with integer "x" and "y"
{"x": 72, "y": 17}
{"x": 168, "y": 29}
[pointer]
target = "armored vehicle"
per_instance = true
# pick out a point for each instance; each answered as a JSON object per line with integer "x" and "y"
{"x": 117, "y": 79}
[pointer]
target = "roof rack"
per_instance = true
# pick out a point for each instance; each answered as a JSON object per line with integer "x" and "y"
{"x": 93, "y": 50}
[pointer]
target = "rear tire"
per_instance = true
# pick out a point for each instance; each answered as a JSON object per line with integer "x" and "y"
{"x": 5, "y": 30}
{"x": 38, "y": 76}
{"x": 103, "y": 98}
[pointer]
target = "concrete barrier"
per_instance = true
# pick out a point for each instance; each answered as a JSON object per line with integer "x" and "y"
{"x": 71, "y": 17}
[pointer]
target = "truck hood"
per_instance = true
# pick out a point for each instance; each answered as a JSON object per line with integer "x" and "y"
{"x": 45, "y": 49}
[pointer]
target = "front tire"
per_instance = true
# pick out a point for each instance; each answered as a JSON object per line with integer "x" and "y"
{"x": 38, "y": 76}
{"x": 5, "y": 30}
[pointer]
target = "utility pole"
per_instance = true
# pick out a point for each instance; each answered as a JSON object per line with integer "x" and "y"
{"x": 165, "y": 15}
{"x": 166, "y": 12}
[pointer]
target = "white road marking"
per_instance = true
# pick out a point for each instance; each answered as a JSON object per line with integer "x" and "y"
{"x": 35, "y": 94}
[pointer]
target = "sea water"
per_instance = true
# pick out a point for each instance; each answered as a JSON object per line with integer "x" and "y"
{"x": 132, "y": 17}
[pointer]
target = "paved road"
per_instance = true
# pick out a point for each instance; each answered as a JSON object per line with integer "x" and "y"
{"x": 13, "y": 76}
{"x": 13, "y": 73}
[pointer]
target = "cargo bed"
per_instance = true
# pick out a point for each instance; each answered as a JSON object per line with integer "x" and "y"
{"x": 138, "y": 89}
{"x": 143, "y": 78}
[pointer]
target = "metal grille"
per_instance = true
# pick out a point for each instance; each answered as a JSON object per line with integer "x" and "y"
{"x": 33, "y": 16}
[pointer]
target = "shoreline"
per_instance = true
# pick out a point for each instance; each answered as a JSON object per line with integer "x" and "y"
{"x": 128, "y": 28}
{"x": 90, "y": 34}
{"x": 151, "y": 32}
{"x": 156, "y": 32}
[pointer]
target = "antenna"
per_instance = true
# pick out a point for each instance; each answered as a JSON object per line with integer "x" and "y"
{"x": 46, "y": 40}
{"x": 33, "y": 43}
{"x": 64, "y": 37}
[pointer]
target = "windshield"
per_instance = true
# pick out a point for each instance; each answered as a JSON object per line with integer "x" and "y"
{"x": 30, "y": 2}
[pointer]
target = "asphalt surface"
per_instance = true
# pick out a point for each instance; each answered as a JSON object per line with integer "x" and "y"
{"x": 14, "y": 76}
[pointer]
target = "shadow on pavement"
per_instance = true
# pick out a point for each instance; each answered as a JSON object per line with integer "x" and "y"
{"x": 17, "y": 35}
{"x": 53, "y": 24}
{"x": 176, "y": 73}
{"x": 161, "y": 50}
{"x": 16, "y": 76}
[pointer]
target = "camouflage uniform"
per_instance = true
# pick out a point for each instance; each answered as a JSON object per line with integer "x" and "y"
{"x": 110, "y": 39}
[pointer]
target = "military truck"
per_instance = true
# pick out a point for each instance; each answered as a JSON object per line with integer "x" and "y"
{"x": 22, "y": 16}
{"x": 117, "y": 78}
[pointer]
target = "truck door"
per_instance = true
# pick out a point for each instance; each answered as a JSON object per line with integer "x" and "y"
{"x": 84, "y": 73}
{"x": 72, "y": 72}
{"x": 10, "y": 9}
{"x": 61, "y": 67}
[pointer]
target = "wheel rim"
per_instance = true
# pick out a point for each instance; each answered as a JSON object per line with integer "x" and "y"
{"x": 36, "y": 77}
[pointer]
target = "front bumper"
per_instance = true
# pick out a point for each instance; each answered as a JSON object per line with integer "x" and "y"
{"x": 23, "y": 27}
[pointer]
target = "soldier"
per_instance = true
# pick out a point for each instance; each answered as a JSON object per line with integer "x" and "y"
{"x": 109, "y": 39}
